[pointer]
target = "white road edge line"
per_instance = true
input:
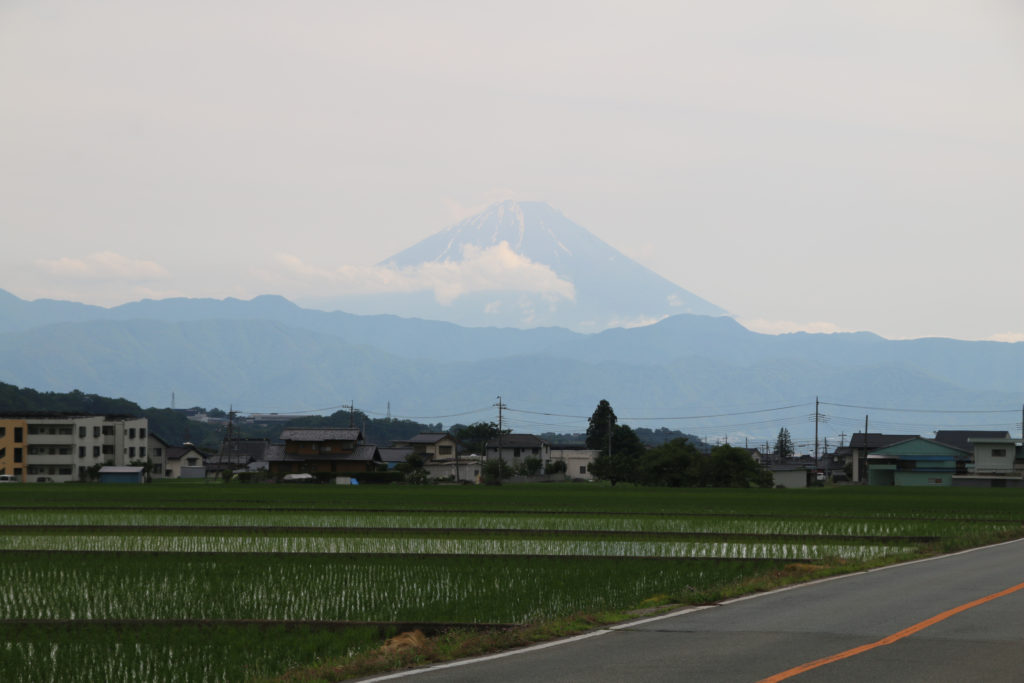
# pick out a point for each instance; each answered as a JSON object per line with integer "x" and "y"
{"x": 678, "y": 613}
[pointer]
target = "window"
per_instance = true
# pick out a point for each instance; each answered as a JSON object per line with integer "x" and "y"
{"x": 17, "y": 455}
{"x": 96, "y": 432}
{"x": 142, "y": 433}
{"x": 3, "y": 432}
{"x": 131, "y": 433}
{"x": 17, "y": 471}
{"x": 583, "y": 469}
{"x": 131, "y": 452}
{"x": 18, "y": 436}
{"x": 191, "y": 462}
{"x": 65, "y": 470}
{"x": 95, "y": 451}
{"x": 517, "y": 452}
{"x": 444, "y": 450}
{"x": 3, "y": 453}
{"x": 81, "y": 451}
{"x": 536, "y": 451}
{"x": 108, "y": 449}
{"x": 167, "y": 473}
{"x": 108, "y": 430}
{"x": 81, "y": 432}
{"x": 142, "y": 452}
{"x": 998, "y": 452}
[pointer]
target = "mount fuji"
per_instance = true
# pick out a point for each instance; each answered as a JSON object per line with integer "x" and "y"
{"x": 524, "y": 264}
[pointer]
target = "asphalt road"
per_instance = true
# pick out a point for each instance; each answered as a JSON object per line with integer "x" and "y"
{"x": 755, "y": 638}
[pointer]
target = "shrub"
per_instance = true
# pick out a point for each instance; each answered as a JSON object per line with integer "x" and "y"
{"x": 555, "y": 467}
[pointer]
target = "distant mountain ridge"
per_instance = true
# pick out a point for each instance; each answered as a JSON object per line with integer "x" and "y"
{"x": 610, "y": 289}
{"x": 269, "y": 354}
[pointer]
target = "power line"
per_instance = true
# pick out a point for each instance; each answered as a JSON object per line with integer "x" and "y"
{"x": 682, "y": 417}
{"x": 427, "y": 417}
{"x": 921, "y": 410}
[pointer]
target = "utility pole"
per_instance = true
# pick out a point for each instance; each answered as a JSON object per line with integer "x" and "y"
{"x": 856, "y": 458}
{"x": 501, "y": 461}
{"x": 817, "y": 417}
{"x": 232, "y": 445}
{"x": 352, "y": 414}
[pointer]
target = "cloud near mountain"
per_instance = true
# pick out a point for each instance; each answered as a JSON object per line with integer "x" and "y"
{"x": 104, "y": 265}
{"x": 480, "y": 269}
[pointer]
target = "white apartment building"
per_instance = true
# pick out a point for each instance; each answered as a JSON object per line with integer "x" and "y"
{"x": 64, "y": 447}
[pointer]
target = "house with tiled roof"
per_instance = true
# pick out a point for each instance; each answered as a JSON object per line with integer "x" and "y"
{"x": 236, "y": 454}
{"x": 394, "y": 455}
{"x": 324, "y": 451}
{"x": 431, "y": 445}
{"x": 515, "y": 448}
{"x": 962, "y": 438}
{"x": 183, "y": 462}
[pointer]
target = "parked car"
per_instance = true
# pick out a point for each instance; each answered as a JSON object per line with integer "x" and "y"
{"x": 8, "y": 479}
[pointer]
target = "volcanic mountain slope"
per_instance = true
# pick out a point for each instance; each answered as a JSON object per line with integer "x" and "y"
{"x": 568, "y": 277}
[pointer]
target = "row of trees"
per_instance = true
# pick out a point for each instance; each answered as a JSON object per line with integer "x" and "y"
{"x": 679, "y": 462}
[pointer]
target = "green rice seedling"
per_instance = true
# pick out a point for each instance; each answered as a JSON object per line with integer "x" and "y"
{"x": 180, "y": 652}
{"x": 343, "y": 588}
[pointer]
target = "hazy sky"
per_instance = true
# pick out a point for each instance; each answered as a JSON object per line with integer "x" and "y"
{"x": 803, "y": 164}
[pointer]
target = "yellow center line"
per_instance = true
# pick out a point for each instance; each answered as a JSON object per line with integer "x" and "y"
{"x": 888, "y": 640}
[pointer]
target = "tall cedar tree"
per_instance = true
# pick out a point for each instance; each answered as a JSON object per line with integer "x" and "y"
{"x": 600, "y": 422}
{"x": 783, "y": 445}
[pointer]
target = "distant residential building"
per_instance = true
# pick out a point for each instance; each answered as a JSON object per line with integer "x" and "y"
{"x": 998, "y": 462}
{"x": 431, "y": 445}
{"x": 577, "y": 461}
{"x": 236, "y": 454}
{"x": 157, "y": 454}
{"x": 324, "y": 450}
{"x": 860, "y": 445}
{"x": 392, "y": 456}
{"x": 963, "y": 438}
{"x": 64, "y": 446}
{"x": 184, "y": 462}
{"x": 457, "y": 468}
{"x": 515, "y": 448}
{"x": 916, "y": 462}
{"x": 756, "y": 454}
{"x": 13, "y": 443}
